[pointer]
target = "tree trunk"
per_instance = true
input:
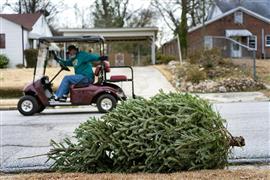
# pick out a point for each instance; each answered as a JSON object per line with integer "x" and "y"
{"x": 183, "y": 29}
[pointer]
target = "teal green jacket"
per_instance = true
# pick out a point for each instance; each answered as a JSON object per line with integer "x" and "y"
{"x": 82, "y": 63}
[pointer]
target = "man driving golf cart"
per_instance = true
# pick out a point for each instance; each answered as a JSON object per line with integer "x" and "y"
{"x": 103, "y": 93}
{"x": 81, "y": 61}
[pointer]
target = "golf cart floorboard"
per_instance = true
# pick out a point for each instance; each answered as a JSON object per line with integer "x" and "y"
{"x": 60, "y": 103}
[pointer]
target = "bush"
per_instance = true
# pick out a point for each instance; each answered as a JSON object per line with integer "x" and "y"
{"x": 19, "y": 66}
{"x": 3, "y": 61}
{"x": 168, "y": 133}
{"x": 207, "y": 58}
{"x": 195, "y": 74}
{"x": 31, "y": 57}
{"x": 164, "y": 59}
{"x": 195, "y": 57}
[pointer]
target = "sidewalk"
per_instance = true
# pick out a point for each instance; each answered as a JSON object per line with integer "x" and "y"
{"x": 234, "y": 97}
{"x": 8, "y": 104}
{"x": 11, "y": 104}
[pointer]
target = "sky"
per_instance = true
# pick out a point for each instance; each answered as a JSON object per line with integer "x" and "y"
{"x": 67, "y": 16}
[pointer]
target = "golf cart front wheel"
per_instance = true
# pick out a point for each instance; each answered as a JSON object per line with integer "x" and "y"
{"x": 27, "y": 105}
{"x": 106, "y": 103}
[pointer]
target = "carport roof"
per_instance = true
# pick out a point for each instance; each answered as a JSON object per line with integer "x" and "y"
{"x": 114, "y": 34}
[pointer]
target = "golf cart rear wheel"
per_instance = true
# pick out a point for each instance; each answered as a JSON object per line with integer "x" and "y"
{"x": 106, "y": 103}
{"x": 28, "y": 105}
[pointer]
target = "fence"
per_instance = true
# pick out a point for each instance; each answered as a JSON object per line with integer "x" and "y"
{"x": 240, "y": 50}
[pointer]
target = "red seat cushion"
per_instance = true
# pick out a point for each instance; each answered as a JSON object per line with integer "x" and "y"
{"x": 118, "y": 78}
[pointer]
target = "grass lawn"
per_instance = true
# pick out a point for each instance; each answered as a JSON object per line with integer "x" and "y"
{"x": 204, "y": 174}
{"x": 18, "y": 78}
{"x": 12, "y": 81}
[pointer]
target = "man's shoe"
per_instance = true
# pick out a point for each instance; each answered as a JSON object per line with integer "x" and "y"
{"x": 53, "y": 99}
{"x": 62, "y": 99}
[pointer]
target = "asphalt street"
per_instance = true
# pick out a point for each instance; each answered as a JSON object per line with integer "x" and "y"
{"x": 27, "y": 136}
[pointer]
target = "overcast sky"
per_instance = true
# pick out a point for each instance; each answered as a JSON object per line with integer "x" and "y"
{"x": 67, "y": 17}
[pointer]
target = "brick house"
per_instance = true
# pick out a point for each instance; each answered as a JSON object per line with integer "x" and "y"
{"x": 246, "y": 22}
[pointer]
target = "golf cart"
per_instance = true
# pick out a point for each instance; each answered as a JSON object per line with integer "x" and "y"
{"x": 103, "y": 93}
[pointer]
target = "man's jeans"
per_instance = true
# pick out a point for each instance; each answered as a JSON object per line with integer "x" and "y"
{"x": 68, "y": 81}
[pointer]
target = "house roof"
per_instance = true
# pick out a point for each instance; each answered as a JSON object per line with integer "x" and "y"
{"x": 27, "y": 21}
{"x": 249, "y": 12}
{"x": 260, "y": 7}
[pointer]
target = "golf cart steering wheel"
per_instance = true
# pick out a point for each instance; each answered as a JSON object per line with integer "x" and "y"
{"x": 64, "y": 67}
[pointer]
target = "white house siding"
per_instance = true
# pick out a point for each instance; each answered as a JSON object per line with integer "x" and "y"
{"x": 13, "y": 49}
{"x": 41, "y": 27}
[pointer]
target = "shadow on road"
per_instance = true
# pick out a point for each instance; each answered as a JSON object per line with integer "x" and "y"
{"x": 63, "y": 113}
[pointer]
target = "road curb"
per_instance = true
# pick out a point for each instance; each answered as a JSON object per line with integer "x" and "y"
{"x": 232, "y": 162}
{"x": 249, "y": 161}
{"x": 7, "y": 108}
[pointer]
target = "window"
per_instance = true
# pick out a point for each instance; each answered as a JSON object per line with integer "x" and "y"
{"x": 252, "y": 42}
{"x": 2, "y": 41}
{"x": 208, "y": 42}
{"x": 238, "y": 17}
{"x": 267, "y": 40}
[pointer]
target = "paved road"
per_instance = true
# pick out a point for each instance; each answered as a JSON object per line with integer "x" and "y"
{"x": 27, "y": 136}
{"x": 252, "y": 121}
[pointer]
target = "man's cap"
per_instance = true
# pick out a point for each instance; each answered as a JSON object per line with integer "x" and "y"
{"x": 70, "y": 47}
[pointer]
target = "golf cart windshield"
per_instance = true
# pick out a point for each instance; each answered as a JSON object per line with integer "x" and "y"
{"x": 47, "y": 44}
{"x": 41, "y": 61}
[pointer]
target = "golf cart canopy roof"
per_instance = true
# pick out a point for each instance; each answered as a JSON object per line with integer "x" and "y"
{"x": 90, "y": 39}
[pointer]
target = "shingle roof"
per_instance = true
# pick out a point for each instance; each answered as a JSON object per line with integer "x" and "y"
{"x": 25, "y": 20}
{"x": 260, "y": 7}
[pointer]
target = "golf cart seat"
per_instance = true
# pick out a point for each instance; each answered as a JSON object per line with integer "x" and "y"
{"x": 80, "y": 85}
{"x": 117, "y": 78}
{"x": 113, "y": 78}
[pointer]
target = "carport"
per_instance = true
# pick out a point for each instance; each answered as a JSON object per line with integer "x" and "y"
{"x": 119, "y": 34}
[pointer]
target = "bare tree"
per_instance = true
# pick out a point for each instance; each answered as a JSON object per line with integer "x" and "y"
{"x": 143, "y": 18}
{"x": 168, "y": 11}
{"x": 193, "y": 12}
{"x": 48, "y": 8}
{"x": 82, "y": 16}
{"x": 111, "y": 13}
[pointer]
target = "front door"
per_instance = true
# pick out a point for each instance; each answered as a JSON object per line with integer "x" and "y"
{"x": 236, "y": 49}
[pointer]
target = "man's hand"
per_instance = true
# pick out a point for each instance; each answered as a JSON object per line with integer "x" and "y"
{"x": 103, "y": 58}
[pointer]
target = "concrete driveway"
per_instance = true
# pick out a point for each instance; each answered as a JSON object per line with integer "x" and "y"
{"x": 147, "y": 81}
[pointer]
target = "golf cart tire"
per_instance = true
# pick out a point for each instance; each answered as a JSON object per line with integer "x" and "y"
{"x": 32, "y": 108}
{"x": 106, "y": 103}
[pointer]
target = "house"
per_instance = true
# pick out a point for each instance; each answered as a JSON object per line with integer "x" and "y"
{"x": 247, "y": 22}
{"x": 19, "y": 32}
{"x": 232, "y": 22}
